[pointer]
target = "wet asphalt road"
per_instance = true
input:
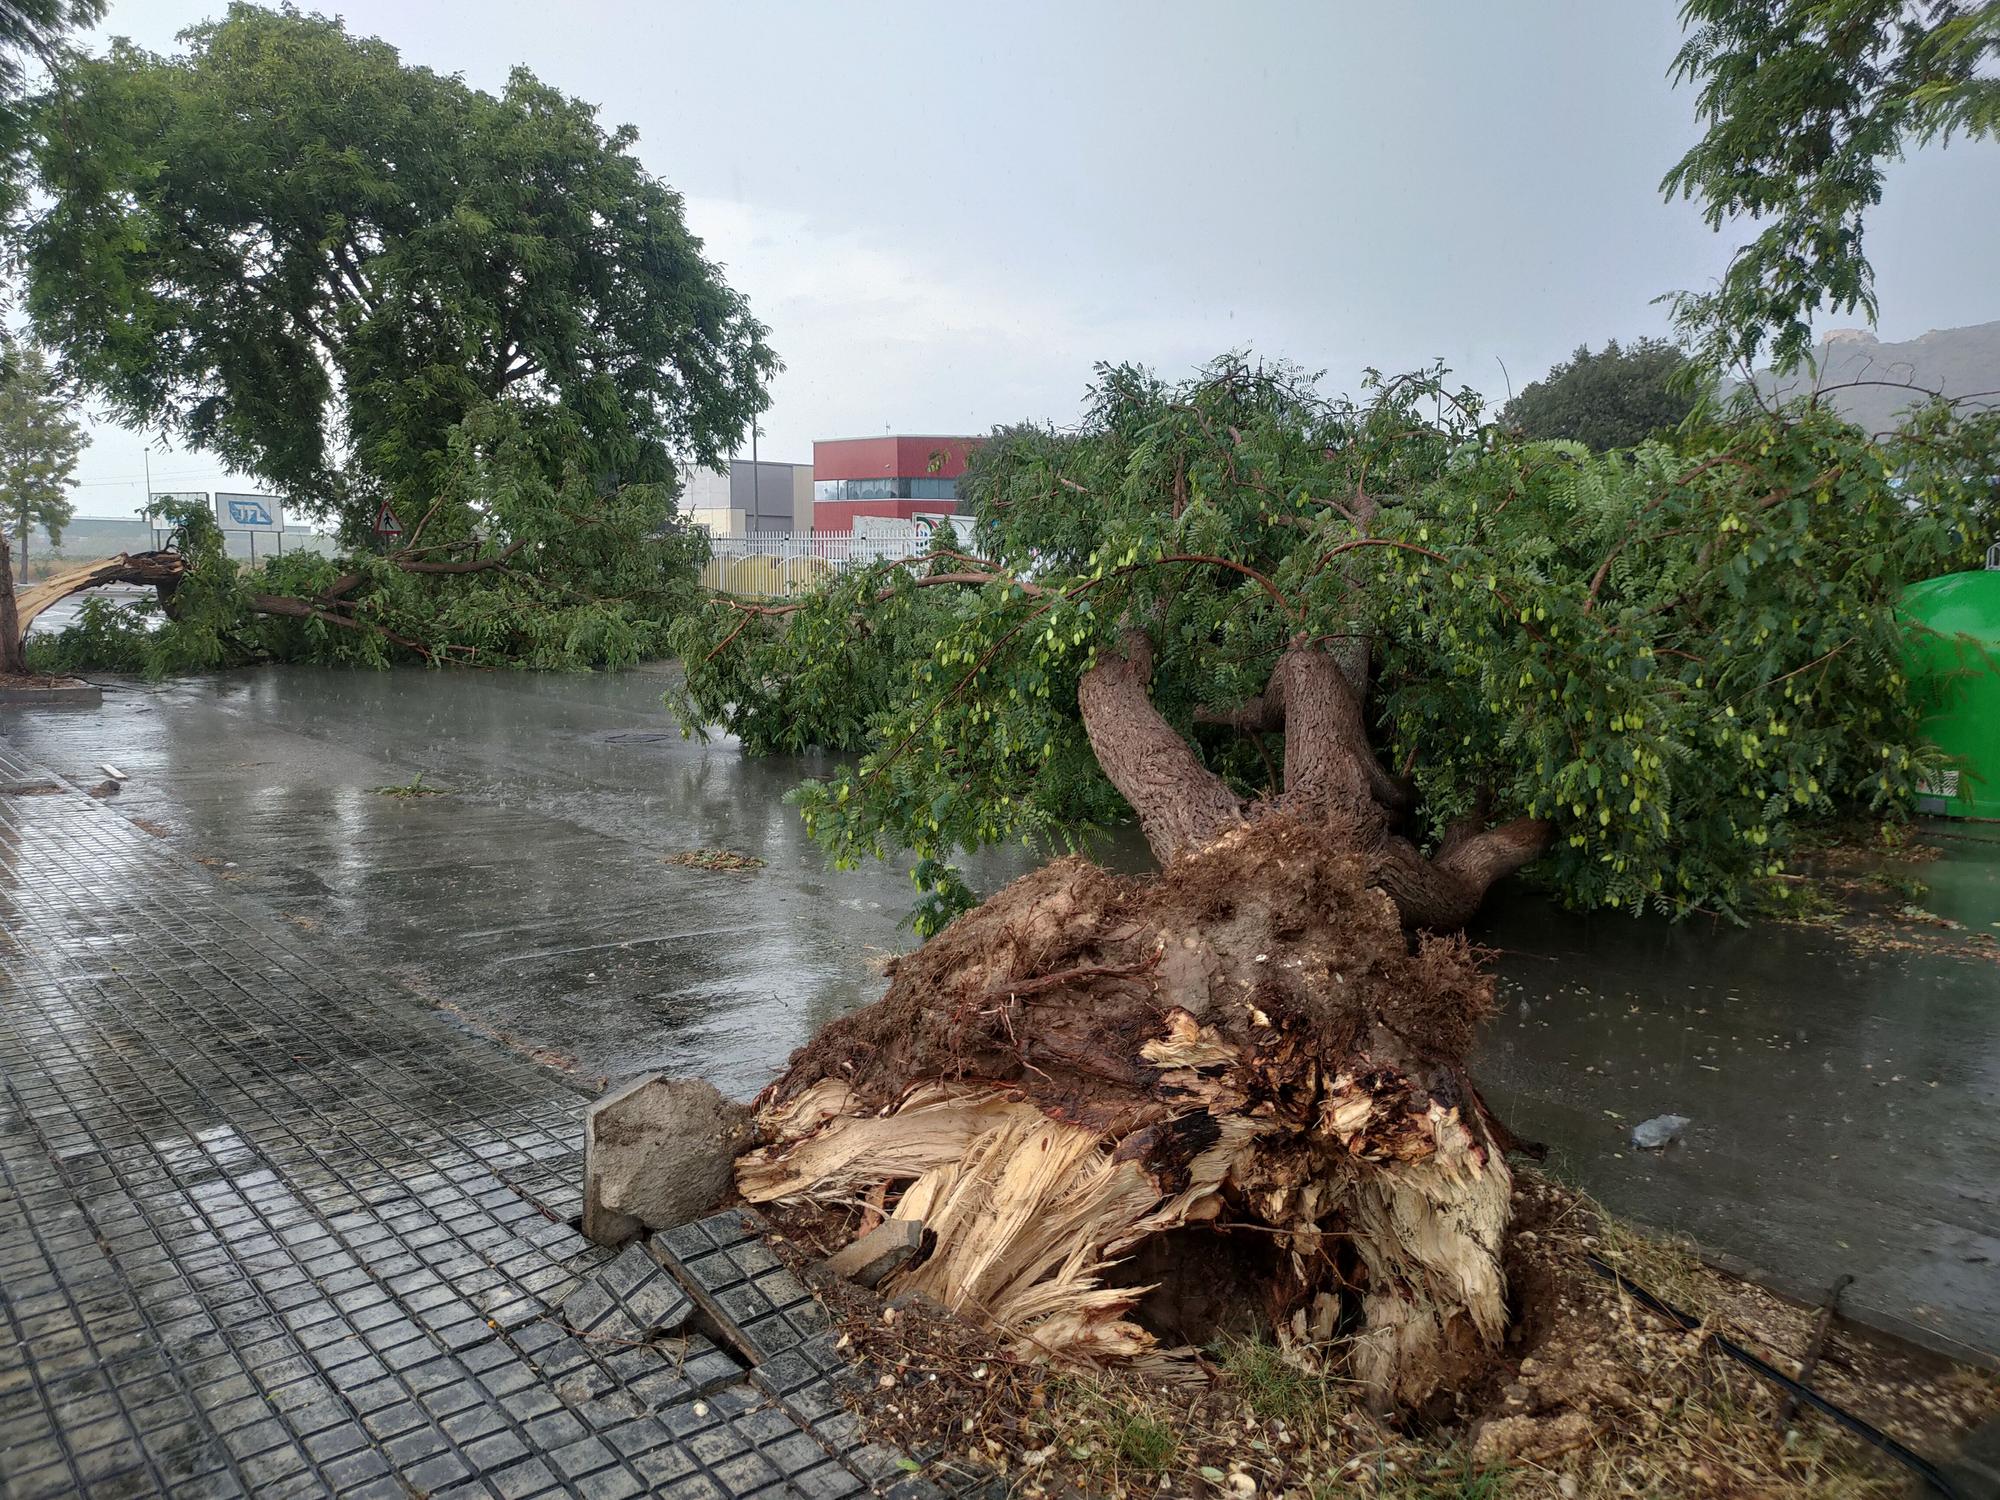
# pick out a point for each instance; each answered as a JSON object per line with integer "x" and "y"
{"x": 1843, "y": 1102}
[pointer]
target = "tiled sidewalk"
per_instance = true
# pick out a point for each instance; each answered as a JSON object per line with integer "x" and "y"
{"x": 268, "y": 1226}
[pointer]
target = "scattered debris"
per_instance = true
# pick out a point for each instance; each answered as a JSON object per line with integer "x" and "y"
{"x": 414, "y": 787}
{"x": 105, "y": 789}
{"x": 1659, "y": 1132}
{"x": 714, "y": 859}
{"x": 1595, "y": 1397}
{"x": 885, "y": 1249}
{"x": 30, "y": 789}
{"x": 1911, "y": 912}
{"x": 113, "y": 772}
{"x": 1865, "y": 890}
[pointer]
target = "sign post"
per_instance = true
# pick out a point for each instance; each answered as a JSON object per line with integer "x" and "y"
{"x": 251, "y": 513}
{"x": 387, "y": 527}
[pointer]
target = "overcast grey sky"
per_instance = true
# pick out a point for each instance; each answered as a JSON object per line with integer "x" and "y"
{"x": 947, "y": 213}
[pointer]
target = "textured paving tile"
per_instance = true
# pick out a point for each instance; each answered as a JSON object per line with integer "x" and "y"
{"x": 268, "y": 1226}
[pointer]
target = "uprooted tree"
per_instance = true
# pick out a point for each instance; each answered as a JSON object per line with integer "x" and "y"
{"x": 1347, "y": 666}
{"x": 385, "y": 293}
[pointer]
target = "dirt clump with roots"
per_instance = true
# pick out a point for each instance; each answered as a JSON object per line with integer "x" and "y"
{"x": 1247, "y": 1050}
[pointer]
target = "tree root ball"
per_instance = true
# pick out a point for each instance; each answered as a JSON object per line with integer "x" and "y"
{"x": 1074, "y": 1078}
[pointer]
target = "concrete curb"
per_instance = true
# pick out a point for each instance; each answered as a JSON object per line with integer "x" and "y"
{"x": 72, "y": 691}
{"x": 1870, "y": 1322}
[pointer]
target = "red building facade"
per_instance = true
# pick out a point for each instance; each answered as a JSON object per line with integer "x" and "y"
{"x": 899, "y": 477}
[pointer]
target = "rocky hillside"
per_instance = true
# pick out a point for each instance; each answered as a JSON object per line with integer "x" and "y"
{"x": 1952, "y": 361}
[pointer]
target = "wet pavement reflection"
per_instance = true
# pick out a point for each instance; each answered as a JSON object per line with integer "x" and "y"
{"x": 1843, "y": 1102}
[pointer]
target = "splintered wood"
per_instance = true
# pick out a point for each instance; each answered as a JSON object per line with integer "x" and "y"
{"x": 1247, "y": 1046}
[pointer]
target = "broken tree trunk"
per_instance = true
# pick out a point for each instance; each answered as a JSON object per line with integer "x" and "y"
{"x": 1251, "y": 1047}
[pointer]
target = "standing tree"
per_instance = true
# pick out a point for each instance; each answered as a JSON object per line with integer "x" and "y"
{"x": 375, "y": 287}
{"x": 31, "y": 32}
{"x": 40, "y": 439}
{"x": 1347, "y": 666}
{"x": 1610, "y": 400}
{"x": 1804, "y": 100}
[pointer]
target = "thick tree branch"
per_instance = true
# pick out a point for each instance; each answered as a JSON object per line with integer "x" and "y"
{"x": 305, "y": 609}
{"x": 354, "y": 276}
{"x": 342, "y": 586}
{"x": 514, "y": 372}
{"x": 1443, "y": 893}
{"x": 1486, "y": 857}
{"x": 1327, "y": 755}
{"x": 1329, "y": 763}
{"x": 474, "y": 565}
{"x": 1180, "y": 803}
{"x": 1257, "y": 715}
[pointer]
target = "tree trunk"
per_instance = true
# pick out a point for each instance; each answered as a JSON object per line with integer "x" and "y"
{"x": 1107, "y": 1096}
{"x": 13, "y": 656}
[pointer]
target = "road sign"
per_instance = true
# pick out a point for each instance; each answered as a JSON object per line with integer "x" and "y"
{"x": 386, "y": 524}
{"x": 249, "y": 512}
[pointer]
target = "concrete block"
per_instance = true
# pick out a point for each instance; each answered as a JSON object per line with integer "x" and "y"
{"x": 880, "y": 1253}
{"x": 33, "y": 692}
{"x": 657, "y": 1152}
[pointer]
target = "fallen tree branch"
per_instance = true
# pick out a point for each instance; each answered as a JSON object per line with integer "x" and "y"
{"x": 476, "y": 565}
{"x": 301, "y": 609}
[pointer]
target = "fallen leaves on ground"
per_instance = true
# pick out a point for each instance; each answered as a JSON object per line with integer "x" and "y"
{"x": 714, "y": 859}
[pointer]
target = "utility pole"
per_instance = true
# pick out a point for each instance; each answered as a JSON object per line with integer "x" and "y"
{"x": 756, "y": 500}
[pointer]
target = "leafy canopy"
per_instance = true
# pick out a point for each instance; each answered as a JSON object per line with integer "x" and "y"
{"x": 1613, "y": 399}
{"x": 337, "y": 272}
{"x": 40, "y": 439}
{"x": 1677, "y": 653}
{"x": 1803, "y": 102}
{"x": 32, "y": 33}
{"x": 371, "y": 285}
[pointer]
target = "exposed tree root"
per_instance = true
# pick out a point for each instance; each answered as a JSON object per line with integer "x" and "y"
{"x": 1248, "y": 1046}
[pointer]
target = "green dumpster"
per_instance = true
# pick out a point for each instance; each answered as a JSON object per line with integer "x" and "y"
{"x": 1952, "y": 653}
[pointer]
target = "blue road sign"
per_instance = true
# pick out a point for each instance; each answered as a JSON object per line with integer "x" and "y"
{"x": 249, "y": 512}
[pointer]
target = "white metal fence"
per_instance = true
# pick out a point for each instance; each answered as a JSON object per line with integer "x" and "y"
{"x": 776, "y": 565}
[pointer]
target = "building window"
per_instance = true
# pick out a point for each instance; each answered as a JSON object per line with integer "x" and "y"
{"x": 885, "y": 489}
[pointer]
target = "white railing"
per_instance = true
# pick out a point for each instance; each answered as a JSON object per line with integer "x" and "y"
{"x": 777, "y": 564}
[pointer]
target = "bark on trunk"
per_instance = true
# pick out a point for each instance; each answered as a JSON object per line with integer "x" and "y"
{"x": 1250, "y": 1048}
{"x": 1179, "y": 802}
{"x": 1331, "y": 776}
{"x": 13, "y": 654}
